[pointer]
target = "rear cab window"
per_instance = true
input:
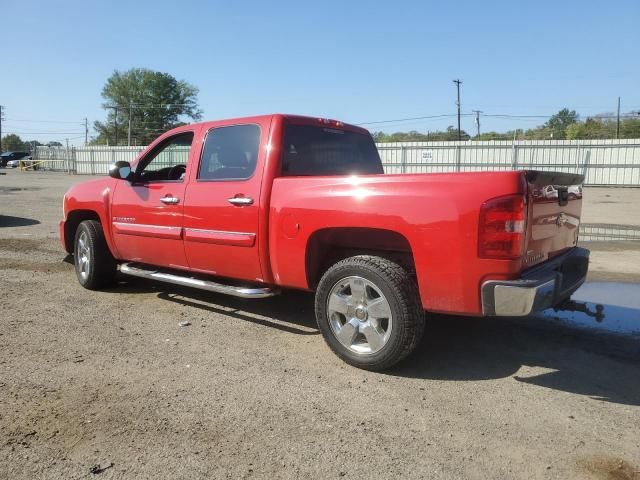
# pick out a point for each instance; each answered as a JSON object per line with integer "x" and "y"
{"x": 324, "y": 150}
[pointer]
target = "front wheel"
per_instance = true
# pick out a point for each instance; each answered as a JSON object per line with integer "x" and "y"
{"x": 95, "y": 266}
{"x": 369, "y": 312}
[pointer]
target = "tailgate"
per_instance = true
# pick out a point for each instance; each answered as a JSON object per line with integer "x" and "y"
{"x": 555, "y": 205}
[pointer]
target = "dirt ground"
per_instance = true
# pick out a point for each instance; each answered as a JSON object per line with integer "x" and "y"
{"x": 108, "y": 385}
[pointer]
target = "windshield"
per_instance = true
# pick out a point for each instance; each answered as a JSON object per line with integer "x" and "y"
{"x": 311, "y": 150}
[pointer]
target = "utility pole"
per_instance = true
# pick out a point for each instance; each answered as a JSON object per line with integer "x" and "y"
{"x": 458, "y": 82}
{"x": 115, "y": 124}
{"x": 86, "y": 131}
{"x": 115, "y": 121}
{"x": 477, "y": 112}
{"x": 618, "y": 120}
{"x": 1, "y": 118}
{"x": 129, "y": 131}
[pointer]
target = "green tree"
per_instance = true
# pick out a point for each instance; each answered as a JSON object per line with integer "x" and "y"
{"x": 450, "y": 134}
{"x": 54, "y": 144}
{"x": 32, "y": 143}
{"x": 563, "y": 125}
{"x": 157, "y": 101}
{"x": 630, "y": 128}
{"x": 559, "y": 122}
{"x": 494, "y": 136}
{"x": 12, "y": 142}
{"x": 591, "y": 128}
{"x": 541, "y": 132}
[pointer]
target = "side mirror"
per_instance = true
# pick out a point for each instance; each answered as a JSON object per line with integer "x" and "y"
{"x": 121, "y": 170}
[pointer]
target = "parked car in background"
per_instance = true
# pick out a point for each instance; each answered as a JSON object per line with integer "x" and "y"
{"x": 26, "y": 162}
{"x": 11, "y": 159}
{"x": 252, "y": 206}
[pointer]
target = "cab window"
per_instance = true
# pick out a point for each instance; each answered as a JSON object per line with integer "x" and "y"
{"x": 230, "y": 153}
{"x": 168, "y": 162}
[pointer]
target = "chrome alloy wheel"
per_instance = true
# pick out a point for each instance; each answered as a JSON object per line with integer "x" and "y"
{"x": 83, "y": 254}
{"x": 359, "y": 315}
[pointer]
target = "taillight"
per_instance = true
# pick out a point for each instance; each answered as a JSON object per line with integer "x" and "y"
{"x": 501, "y": 230}
{"x": 328, "y": 121}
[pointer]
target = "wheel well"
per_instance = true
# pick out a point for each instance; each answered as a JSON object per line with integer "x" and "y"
{"x": 71, "y": 225}
{"x": 328, "y": 246}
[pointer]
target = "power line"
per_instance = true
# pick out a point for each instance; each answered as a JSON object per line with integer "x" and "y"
{"x": 40, "y": 121}
{"x": 508, "y": 115}
{"x": 425, "y": 117}
{"x": 522, "y": 117}
{"x": 151, "y": 105}
{"x": 22, "y": 132}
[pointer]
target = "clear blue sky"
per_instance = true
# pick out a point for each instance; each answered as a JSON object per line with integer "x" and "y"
{"x": 358, "y": 61}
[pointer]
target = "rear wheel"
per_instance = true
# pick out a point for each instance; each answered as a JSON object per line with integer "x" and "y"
{"x": 95, "y": 266}
{"x": 369, "y": 312}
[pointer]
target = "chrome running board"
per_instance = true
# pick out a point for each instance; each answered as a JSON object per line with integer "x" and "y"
{"x": 243, "y": 292}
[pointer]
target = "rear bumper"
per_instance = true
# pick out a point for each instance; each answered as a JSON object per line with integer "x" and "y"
{"x": 541, "y": 287}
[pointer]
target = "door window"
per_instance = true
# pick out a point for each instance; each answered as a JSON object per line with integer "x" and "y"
{"x": 168, "y": 161}
{"x": 230, "y": 153}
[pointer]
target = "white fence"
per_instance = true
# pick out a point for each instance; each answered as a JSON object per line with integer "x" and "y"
{"x": 603, "y": 162}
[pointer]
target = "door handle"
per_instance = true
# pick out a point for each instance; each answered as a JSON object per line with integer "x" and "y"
{"x": 169, "y": 200}
{"x": 240, "y": 201}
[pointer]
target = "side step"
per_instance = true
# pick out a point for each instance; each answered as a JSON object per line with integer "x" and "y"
{"x": 243, "y": 292}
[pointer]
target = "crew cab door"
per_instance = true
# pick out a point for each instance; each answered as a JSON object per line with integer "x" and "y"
{"x": 221, "y": 210}
{"x": 147, "y": 214}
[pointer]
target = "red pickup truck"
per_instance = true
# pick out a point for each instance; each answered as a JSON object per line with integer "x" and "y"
{"x": 252, "y": 206}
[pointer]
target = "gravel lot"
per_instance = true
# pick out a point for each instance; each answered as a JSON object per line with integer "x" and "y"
{"x": 107, "y": 382}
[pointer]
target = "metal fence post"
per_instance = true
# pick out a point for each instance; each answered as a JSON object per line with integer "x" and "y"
{"x": 91, "y": 160}
{"x": 585, "y": 166}
{"x": 458, "y": 159}
{"x": 579, "y": 156}
{"x": 403, "y": 159}
{"x": 514, "y": 156}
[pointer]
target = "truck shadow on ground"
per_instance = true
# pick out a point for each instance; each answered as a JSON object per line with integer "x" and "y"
{"x": 11, "y": 221}
{"x": 600, "y": 366}
{"x": 457, "y": 348}
{"x": 291, "y": 313}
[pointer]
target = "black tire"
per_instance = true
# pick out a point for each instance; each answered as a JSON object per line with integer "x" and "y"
{"x": 401, "y": 294}
{"x": 97, "y": 269}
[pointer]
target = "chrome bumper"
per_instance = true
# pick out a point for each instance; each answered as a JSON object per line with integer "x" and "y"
{"x": 540, "y": 287}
